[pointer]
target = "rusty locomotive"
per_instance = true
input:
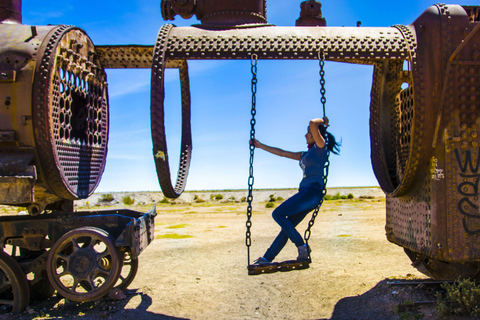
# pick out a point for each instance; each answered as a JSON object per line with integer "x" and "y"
{"x": 54, "y": 131}
{"x": 53, "y": 142}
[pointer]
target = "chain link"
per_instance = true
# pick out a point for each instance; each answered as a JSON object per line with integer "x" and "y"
{"x": 323, "y": 100}
{"x": 324, "y": 192}
{"x": 248, "y": 240}
{"x": 321, "y": 62}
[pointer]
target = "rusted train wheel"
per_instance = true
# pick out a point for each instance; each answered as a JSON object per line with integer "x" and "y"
{"x": 14, "y": 291}
{"x": 129, "y": 271}
{"x": 84, "y": 264}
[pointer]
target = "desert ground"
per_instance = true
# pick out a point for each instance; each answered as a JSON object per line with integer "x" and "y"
{"x": 196, "y": 268}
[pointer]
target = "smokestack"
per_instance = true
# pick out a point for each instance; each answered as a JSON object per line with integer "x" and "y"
{"x": 11, "y": 11}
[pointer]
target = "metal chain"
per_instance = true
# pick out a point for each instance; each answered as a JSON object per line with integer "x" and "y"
{"x": 324, "y": 192}
{"x": 323, "y": 100}
{"x": 321, "y": 62}
{"x": 248, "y": 240}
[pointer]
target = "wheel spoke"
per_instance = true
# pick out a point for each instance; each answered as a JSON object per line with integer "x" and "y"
{"x": 99, "y": 270}
{"x": 7, "y": 302}
{"x": 63, "y": 273}
{"x": 91, "y": 282}
{"x": 103, "y": 254}
{"x": 91, "y": 243}
{"x": 5, "y": 286}
{"x": 63, "y": 257}
{"x": 129, "y": 270}
{"x": 75, "y": 285}
{"x": 75, "y": 244}
{"x": 94, "y": 241}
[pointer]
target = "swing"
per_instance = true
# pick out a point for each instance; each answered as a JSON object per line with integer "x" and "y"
{"x": 288, "y": 265}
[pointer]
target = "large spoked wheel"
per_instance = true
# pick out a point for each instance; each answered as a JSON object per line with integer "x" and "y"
{"x": 129, "y": 271}
{"x": 84, "y": 264}
{"x": 14, "y": 291}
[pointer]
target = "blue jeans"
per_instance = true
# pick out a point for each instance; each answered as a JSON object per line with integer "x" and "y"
{"x": 290, "y": 213}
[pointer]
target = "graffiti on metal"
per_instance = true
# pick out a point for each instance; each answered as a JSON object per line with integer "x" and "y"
{"x": 468, "y": 189}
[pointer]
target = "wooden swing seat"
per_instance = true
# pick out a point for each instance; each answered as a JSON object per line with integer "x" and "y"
{"x": 284, "y": 266}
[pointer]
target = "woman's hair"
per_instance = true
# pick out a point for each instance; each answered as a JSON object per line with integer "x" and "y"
{"x": 332, "y": 144}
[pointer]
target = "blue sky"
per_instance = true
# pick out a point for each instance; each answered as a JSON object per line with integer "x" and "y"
{"x": 288, "y": 96}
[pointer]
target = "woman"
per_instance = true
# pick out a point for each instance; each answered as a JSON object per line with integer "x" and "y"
{"x": 292, "y": 211}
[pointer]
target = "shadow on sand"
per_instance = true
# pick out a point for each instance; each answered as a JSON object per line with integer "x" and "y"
{"x": 412, "y": 299}
{"x": 387, "y": 300}
{"x": 134, "y": 306}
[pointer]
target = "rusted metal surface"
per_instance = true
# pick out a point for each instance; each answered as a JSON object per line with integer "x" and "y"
{"x": 129, "y": 230}
{"x": 349, "y": 44}
{"x": 432, "y": 181}
{"x": 217, "y": 13}
{"x": 72, "y": 144}
{"x": 11, "y": 11}
{"x": 158, "y": 117}
{"x": 15, "y": 294}
{"x": 131, "y": 56}
{"x": 62, "y": 119}
{"x": 77, "y": 270}
{"x": 311, "y": 14}
{"x": 53, "y": 142}
{"x": 17, "y": 178}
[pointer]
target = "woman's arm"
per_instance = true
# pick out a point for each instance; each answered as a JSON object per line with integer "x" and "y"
{"x": 277, "y": 151}
{"x": 317, "y": 136}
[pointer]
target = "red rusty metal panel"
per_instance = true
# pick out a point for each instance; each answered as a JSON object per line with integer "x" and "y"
{"x": 437, "y": 216}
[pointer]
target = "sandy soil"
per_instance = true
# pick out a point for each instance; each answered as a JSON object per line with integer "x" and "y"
{"x": 196, "y": 269}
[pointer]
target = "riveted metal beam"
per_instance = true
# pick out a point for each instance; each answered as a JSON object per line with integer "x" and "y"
{"x": 128, "y": 56}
